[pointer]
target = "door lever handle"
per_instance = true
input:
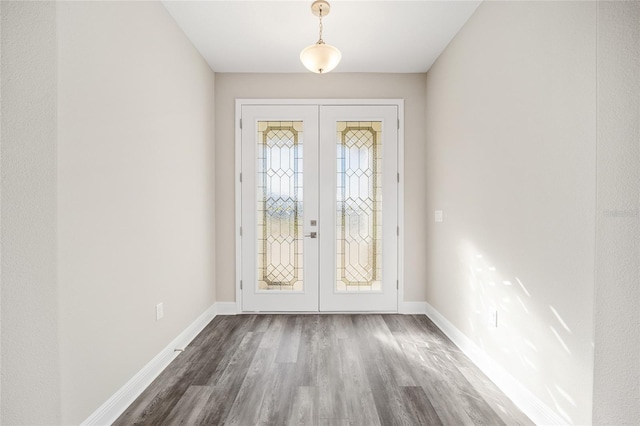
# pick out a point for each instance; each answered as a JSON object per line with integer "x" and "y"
{"x": 312, "y": 235}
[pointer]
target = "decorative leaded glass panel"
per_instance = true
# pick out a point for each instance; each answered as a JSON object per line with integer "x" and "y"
{"x": 359, "y": 206}
{"x": 280, "y": 234}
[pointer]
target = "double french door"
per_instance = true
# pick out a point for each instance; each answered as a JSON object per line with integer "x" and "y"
{"x": 319, "y": 207}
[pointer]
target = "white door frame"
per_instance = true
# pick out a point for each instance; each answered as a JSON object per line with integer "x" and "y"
{"x": 399, "y": 103}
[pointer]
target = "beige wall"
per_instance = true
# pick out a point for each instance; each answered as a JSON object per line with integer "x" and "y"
{"x": 107, "y": 199}
{"x": 135, "y": 192}
{"x": 29, "y": 335}
{"x": 511, "y": 153}
{"x": 410, "y": 87}
{"x": 616, "y": 398}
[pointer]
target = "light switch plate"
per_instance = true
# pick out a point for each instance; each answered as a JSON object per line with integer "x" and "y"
{"x": 439, "y": 216}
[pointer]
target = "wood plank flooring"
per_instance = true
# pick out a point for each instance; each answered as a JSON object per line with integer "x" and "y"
{"x": 322, "y": 370}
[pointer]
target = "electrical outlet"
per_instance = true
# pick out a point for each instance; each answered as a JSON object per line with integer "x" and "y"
{"x": 159, "y": 311}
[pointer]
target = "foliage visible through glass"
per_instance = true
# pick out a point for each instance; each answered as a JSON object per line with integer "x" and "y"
{"x": 280, "y": 208}
{"x": 359, "y": 206}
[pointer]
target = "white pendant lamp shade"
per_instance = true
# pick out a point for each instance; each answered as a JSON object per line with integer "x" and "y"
{"x": 320, "y": 57}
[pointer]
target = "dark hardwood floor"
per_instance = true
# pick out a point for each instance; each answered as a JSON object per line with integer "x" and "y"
{"x": 322, "y": 370}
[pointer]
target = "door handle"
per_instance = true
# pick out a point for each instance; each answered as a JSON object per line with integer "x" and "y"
{"x": 312, "y": 235}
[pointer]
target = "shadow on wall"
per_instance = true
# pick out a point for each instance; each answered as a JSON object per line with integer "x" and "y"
{"x": 503, "y": 317}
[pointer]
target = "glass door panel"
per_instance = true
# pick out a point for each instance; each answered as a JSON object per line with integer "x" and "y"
{"x": 358, "y": 210}
{"x": 280, "y": 194}
{"x": 359, "y": 206}
{"x": 279, "y": 200}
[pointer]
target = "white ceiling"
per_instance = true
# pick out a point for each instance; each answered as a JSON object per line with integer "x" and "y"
{"x": 267, "y": 36}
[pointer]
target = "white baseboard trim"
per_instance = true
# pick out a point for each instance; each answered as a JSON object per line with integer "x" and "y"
{"x": 527, "y": 402}
{"x": 108, "y": 412}
{"x": 412, "y": 308}
{"x": 533, "y": 407}
{"x": 226, "y": 308}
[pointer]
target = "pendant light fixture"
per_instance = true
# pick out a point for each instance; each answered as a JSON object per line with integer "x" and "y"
{"x": 320, "y": 57}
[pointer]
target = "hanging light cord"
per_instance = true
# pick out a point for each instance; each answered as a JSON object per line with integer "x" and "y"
{"x": 320, "y": 40}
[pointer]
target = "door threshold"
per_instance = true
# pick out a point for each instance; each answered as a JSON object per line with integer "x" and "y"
{"x": 316, "y": 312}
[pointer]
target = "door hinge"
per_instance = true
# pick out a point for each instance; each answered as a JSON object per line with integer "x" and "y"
{"x": 241, "y": 123}
{"x": 398, "y": 230}
{"x": 398, "y": 124}
{"x": 241, "y": 231}
{"x": 397, "y": 284}
{"x": 240, "y": 177}
{"x": 398, "y": 177}
{"x": 240, "y": 284}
